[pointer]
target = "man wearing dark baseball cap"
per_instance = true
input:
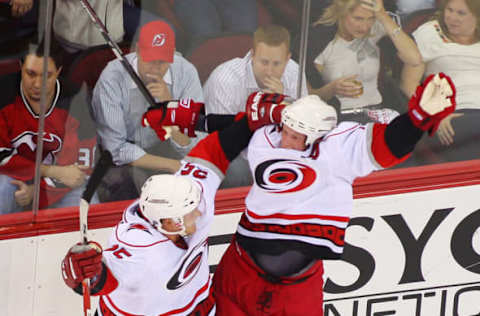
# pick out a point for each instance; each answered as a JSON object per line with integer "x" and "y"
{"x": 118, "y": 105}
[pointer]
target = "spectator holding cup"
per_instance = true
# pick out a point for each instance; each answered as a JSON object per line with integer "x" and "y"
{"x": 346, "y": 55}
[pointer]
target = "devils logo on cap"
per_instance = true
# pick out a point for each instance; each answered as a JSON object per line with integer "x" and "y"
{"x": 159, "y": 39}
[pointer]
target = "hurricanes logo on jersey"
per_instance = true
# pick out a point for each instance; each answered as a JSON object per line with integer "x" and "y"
{"x": 284, "y": 176}
{"x": 189, "y": 267}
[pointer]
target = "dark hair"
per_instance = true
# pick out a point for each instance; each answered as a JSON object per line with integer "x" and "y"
{"x": 56, "y": 51}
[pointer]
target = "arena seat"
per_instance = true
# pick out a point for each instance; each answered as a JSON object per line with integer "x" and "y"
{"x": 165, "y": 10}
{"x": 213, "y": 51}
{"x": 88, "y": 66}
{"x": 264, "y": 16}
{"x": 417, "y": 18}
{"x": 287, "y": 12}
{"x": 9, "y": 66}
{"x": 9, "y": 79}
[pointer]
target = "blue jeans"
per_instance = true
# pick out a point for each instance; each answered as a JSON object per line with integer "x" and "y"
{"x": 211, "y": 17}
{"x": 9, "y": 205}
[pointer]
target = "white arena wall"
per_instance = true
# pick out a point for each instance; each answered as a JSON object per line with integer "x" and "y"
{"x": 413, "y": 248}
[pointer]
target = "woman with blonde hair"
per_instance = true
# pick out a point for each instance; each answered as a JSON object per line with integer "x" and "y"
{"x": 347, "y": 56}
{"x": 450, "y": 43}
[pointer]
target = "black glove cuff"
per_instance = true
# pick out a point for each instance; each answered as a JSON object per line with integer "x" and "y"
{"x": 201, "y": 125}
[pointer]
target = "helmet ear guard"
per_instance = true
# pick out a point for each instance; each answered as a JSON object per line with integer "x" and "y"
{"x": 168, "y": 196}
{"x": 311, "y": 117}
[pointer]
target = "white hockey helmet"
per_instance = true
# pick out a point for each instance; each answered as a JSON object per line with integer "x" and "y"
{"x": 168, "y": 196}
{"x": 311, "y": 117}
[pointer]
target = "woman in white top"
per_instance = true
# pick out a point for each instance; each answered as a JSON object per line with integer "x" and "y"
{"x": 350, "y": 63}
{"x": 450, "y": 43}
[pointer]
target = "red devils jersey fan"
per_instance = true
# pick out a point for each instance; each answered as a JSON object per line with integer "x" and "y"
{"x": 300, "y": 203}
{"x": 156, "y": 261}
{"x": 62, "y": 178}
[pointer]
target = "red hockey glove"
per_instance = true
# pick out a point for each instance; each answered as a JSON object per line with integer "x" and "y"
{"x": 264, "y": 109}
{"x": 183, "y": 113}
{"x": 82, "y": 262}
{"x": 432, "y": 102}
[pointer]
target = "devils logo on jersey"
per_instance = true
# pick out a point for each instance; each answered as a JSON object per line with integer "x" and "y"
{"x": 189, "y": 267}
{"x": 26, "y": 146}
{"x": 284, "y": 176}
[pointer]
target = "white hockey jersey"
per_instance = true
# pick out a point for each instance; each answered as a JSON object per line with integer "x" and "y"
{"x": 306, "y": 197}
{"x": 155, "y": 276}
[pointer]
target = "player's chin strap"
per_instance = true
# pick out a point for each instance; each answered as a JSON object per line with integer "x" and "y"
{"x": 179, "y": 223}
{"x": 157, "y": 224}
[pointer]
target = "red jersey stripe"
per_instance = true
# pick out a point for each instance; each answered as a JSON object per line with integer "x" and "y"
{"x": 117, "y": 310}
{"x": 186, "y": 307}
{"x": 266, "y": 137}
{"x": 210, "y": 150}
{"x": 298, "y": 217}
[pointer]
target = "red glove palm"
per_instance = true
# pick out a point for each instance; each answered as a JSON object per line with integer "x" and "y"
{"x": 264, "y": 109}
{"x": 183, "y": 113}
{"x": 433, "y": 100}
{"x": 82, "y": 262}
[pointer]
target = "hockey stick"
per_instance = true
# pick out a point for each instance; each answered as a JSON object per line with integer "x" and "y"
{"x": 99, "y": 171}
{"x": 118, "y": 53}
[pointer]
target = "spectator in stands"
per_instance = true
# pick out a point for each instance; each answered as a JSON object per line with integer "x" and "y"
{"x": 76, "y": 32}
{"x": 63, "y": 175}
{"x": 450, "y": 43}
{"x": 118, "y": 105}
{"x": 18, "y": 20}
{"x": 344, "y": 49}
{"x": 74, "y": 29}
{"x": 20, "y": 7}
{"x": 266, "y": 67}
{"x": 205, "y": 18}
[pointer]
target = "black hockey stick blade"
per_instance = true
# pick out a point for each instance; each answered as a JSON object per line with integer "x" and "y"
{"x": 101, "y": 168}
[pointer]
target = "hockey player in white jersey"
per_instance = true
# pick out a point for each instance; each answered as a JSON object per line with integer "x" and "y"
{"x": 301, "y": 201}
{"x": 156, "y": 261}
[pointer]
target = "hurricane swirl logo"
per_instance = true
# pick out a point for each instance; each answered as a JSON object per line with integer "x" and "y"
{"x": 284, "y": 176}
{"x": 189, "y": 267}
